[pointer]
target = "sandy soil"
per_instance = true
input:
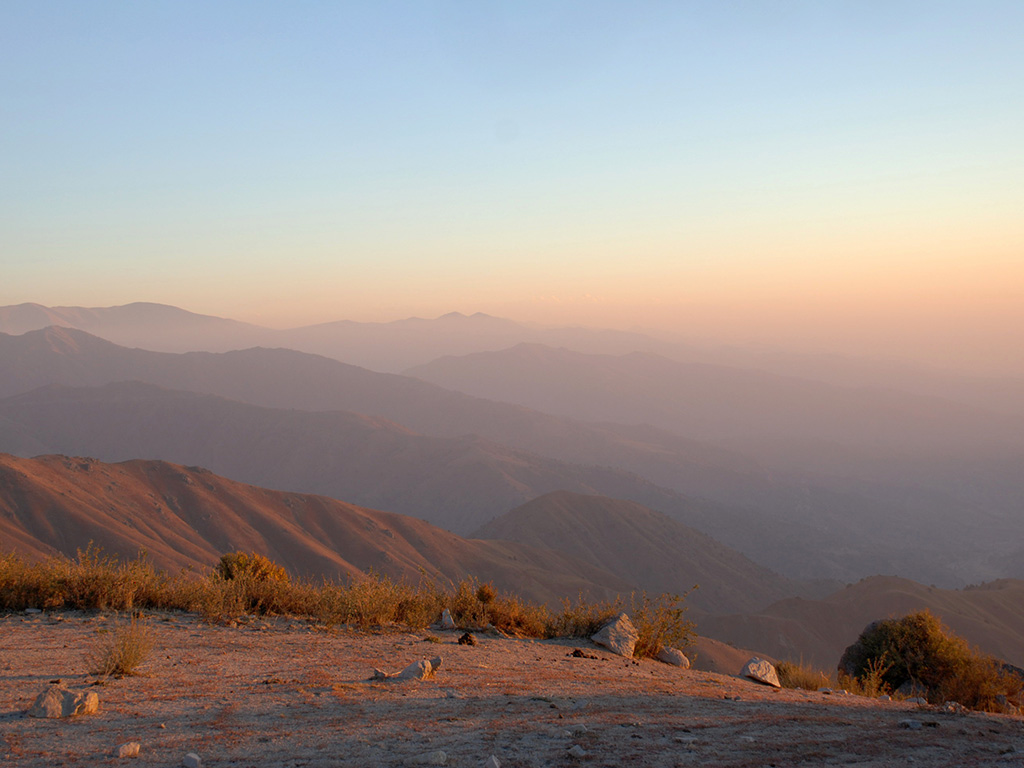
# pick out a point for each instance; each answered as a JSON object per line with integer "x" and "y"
{"x": 287, "y": 693}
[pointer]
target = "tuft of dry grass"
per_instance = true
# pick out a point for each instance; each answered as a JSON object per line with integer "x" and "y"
{"x": 799, "y": 675}
{"x": 121, "y": 651}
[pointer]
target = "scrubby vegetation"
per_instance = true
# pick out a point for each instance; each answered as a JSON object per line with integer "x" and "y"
{"x": 122, "y": 650}
{"x": 247, "y": 583}
{"x": 914, "y": 655}
{"x": 918, "y": 651}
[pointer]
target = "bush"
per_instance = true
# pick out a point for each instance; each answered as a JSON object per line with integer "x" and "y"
{"x": 917, "y": 649}
{"x": 800, "y": 675}
{"x": 239, "y": 565}
{"x": 122, "y": 651}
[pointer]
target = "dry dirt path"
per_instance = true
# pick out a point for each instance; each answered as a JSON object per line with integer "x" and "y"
{"x": 285, "y": 693}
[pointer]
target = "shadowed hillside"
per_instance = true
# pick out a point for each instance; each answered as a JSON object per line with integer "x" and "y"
{"x": 643, "y": 547}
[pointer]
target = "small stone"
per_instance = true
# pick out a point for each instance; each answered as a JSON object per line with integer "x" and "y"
{"x": 919, "y": 700}
{"x": 913, "y": 725}
{"x": 674, "y": 656}
{"x": 31, "y": 611}
{"x": 447, "y": 622}
{"x": 467, "y": 639}
{"x": 492, "y": 762}
{"x": 192, "y": 760}
{"x": 885, "y": 697}
{"x": 824, "y": 690}
{"x": 577, "y": 751}
{"x": 129, "y": 749}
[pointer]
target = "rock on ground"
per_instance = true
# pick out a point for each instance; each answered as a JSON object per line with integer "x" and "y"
{"x": 674, "y": 656}
{"x": 618, "y": 636}
{"x": 128, "y": 749}
{"x": 762, "y": 671}
{"x": 58, "y": 701}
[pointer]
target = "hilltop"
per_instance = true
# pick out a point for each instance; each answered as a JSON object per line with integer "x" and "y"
{"x": 282, "y": 692}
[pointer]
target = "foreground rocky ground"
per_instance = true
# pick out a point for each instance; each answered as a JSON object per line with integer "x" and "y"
{"x": 286, "y": 693}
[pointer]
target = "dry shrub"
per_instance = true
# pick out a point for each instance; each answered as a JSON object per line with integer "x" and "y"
{"x": 661, "y": 623}
{"x": 252, "y": 566}
{"x": 247, "y": 583}
{"x": 582, "y": 618}
{"x": 91, "y": 581}
{"x": 121, "y": 651}
{"x": 799, "y": 675}
{"x": 476, "y": 605}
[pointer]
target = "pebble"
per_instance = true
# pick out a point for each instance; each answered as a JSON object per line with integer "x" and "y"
{"x": 192, "y": 760}
{"x": 914, "y": 725}
{"x": 492, "y": 762}
{"x": 577, "y": 751}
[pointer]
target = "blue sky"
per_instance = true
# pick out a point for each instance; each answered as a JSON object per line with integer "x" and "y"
{"x": 630, "y": 162}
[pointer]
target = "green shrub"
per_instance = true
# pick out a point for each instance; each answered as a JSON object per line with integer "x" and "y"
{"x": 918, "y": 649}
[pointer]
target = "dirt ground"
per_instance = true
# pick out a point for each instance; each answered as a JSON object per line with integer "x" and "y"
{"x": 287, "y": 693}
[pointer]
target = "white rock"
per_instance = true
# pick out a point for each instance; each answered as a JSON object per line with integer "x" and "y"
{"x": 762, "y": 671}
{"x": 58, "y": 701}
{"x": 129, "y": 749}
{"x": 447, "y": 622}
{"x": 618, "y": 636}
{"x": 33, "y": 610}
{"x": 492, "y": 762}
{"x": 674, "y": 656}
{"x": 914, "y": 725}
{"x": 577, "y": 751}
{"x": 418, "y": 670}
{"x": 192, "y": 760}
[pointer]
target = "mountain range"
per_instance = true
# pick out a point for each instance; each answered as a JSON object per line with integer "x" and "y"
{"x": 817, "y": 525}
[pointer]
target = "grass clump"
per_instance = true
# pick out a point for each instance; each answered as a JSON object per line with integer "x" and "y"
{"x": 120, "y": 652}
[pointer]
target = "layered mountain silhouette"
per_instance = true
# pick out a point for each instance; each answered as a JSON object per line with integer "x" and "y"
{"x": 457, "y": 483}
{"x": 805, "y": 528}
{"x": 396, "y": 346}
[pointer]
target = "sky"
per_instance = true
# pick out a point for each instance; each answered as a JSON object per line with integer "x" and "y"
{"x": 823, "y": 174}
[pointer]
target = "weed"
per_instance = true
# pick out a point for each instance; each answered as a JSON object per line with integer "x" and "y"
{"x": 122, "y": 651}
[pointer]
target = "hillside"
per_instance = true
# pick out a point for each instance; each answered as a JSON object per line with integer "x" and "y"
{"x": 989, "y": 616}
{"x": 642, "y": 547}
{"x": 820, "y": 527}
{"x": 187, "y": 517}
{"x": 456, "y": 483}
